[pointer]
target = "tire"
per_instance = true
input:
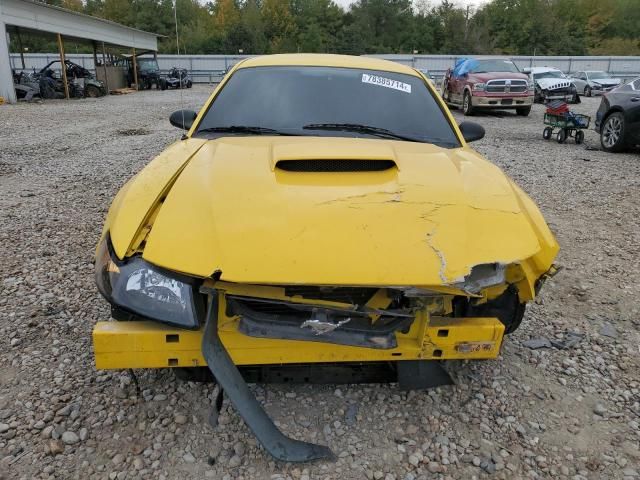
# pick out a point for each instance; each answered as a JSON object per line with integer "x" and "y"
{"x": 189, "y": 84}
{"x": 547, "y": 132}
{"x": 523, "y": 111}
{"x": 579, "y": 137}
{"x": 467, "y": 106}
{"x": 163, "y": 84}
{"x": 561, "y": 136}
{"x": 92, "y": 91}
{"x": 587, "y": 91}
{"x": 612, "y": 133}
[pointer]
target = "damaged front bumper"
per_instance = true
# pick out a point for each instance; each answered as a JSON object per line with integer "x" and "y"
{"x": 259, "y": 329}
{"x": 252, "y": 338}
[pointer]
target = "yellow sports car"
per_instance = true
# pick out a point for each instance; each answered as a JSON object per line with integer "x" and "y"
{"x": 319, "y": 211}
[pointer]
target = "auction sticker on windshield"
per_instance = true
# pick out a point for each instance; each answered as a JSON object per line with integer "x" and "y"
{"x": 386, "y": 82}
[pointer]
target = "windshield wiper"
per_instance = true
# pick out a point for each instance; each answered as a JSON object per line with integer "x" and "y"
{"x": 355, "y": 127}
{"x": 245, "y": 129}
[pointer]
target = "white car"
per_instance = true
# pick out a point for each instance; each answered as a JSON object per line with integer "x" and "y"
{"x": 427, "y": 74}
{"x": 551, "y": 84}
{"x": 594, "y": 82}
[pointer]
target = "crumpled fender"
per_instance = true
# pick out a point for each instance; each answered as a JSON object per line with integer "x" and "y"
{"x": 143, "y": 193}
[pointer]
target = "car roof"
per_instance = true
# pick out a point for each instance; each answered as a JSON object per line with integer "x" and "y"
{"x": 326, "y": 60}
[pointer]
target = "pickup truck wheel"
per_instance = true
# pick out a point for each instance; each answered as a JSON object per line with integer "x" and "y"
{"x": 587, "y": 91}
{"x": 523, "y": 111}
{"x": 467, "y": 106}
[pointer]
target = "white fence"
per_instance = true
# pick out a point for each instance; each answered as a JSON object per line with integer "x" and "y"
{"x": 210, "y": 68}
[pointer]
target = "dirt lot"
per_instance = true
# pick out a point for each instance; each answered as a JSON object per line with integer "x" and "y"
{"x": 548, "y": 413}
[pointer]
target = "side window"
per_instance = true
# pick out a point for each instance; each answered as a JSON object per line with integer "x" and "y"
{"x": 636, "y": 84}
{"x": 582, "y": 76}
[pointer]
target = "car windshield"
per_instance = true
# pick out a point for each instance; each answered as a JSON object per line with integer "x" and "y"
{"x": 550, "y": 74}
{"x": 325, "y": 101}
{"x": 147, "y": 64}
{"x": 597, "y": 74}
{"x": 497, "y": 65}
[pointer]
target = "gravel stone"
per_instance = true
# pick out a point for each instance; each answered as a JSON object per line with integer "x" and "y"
{"x": 70, "y": 438}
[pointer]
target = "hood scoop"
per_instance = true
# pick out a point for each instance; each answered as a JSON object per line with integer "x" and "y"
{"x": 335, "y": 165}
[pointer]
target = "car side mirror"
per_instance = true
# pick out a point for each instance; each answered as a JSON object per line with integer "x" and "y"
{"x": 183, "y": 119}
{"x": 471, "y": 131}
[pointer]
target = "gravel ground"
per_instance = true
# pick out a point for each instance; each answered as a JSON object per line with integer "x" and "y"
{"x": 547, "y": 413}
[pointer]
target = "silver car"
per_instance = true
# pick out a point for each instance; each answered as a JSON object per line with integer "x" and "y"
{"x": 594, "y": 82}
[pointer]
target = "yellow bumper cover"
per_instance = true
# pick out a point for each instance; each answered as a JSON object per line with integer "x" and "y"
{"x": 120, "y": 345}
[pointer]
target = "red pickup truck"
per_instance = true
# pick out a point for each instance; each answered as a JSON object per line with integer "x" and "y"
{"x": 479, "y": 83}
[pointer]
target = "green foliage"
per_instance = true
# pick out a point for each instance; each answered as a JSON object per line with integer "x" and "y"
{"x": 509, "y": 27}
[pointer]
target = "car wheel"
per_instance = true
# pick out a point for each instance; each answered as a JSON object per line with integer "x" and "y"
{"x": 523, "y": 111}
{"x": 561, "y": 136}
{"x": 467, "y": 106}
{"x": 612, "y": 133}
{"x": 587, "y": 91}
{"x": 163, "y": 84}
{"x": 547, "y": 132}
{"x": 189, "y": 84}
{"x": 91, "y": 91}
{"x": 579, "y": 137}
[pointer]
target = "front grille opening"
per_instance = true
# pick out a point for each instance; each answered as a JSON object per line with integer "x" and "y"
{"x": 318, "y": 166}
{"x": 352, "y": 295}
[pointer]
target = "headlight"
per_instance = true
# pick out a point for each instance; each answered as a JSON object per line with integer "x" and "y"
{"x": 478, "y": 87}
{"x": 147, "y": 290}
{"x": 531, "y": 86}
{"x": 597, "y": 86}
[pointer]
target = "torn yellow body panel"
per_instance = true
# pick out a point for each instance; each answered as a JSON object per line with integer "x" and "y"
{"x": 143, "y": 193}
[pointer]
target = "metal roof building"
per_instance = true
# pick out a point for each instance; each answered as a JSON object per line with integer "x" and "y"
{"x": 36, "y": 17}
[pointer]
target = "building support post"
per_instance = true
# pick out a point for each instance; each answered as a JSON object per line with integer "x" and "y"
{"x": 104, "y": 67}
{"x": 95, "y": 57}
{"x": 20, "y": 47}
{"x": 135, "y": 69}
{"x": 6, "y": 78}
{"x": 63, "y": 65}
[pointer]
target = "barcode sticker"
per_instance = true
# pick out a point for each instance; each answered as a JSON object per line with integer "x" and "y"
{"x": 386, "y": 82}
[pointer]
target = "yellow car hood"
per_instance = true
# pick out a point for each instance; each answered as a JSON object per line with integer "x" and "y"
{"x": 426, "y": 221}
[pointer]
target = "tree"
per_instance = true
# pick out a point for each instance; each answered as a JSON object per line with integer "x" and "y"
{"x": 279, "y": 26}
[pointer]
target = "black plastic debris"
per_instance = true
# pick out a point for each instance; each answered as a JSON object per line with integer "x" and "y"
{"x": 608, "y": 330}
{"x": 571, "y": 339}
{"x": 536, "y": 343}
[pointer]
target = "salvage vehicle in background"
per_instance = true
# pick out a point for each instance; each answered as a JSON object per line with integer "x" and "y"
{"x": 487, "y": 83}
{"x": 81, "y": 81}
{"x": 319, "y": 212}
{"x": 594, "y": 82}
{"x": 178, "y": 78}
{"x": 148, "y": 72}
{"x": 551, "y": 84}
{"x": 618, "y": 117}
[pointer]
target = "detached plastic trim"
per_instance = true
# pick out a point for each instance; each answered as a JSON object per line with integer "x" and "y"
{"x": 229, "y": 378}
